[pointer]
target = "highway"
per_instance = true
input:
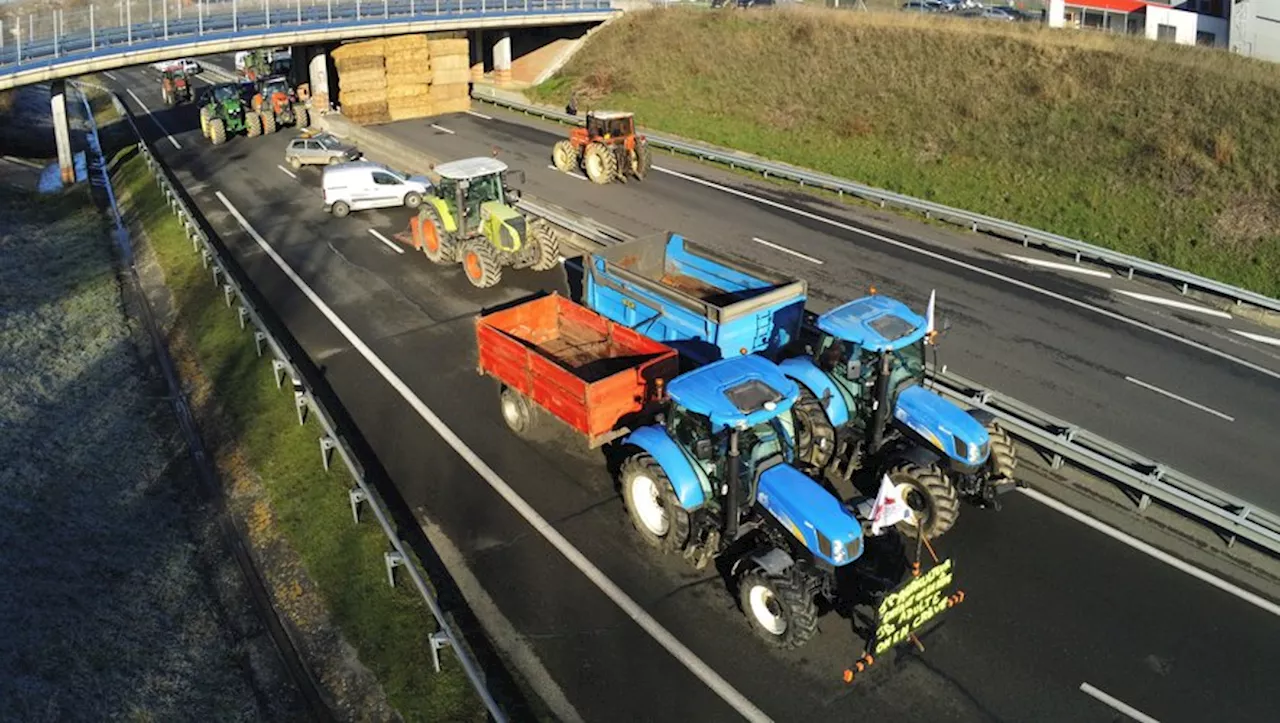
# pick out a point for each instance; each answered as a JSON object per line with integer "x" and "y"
{"x": 1051, "y": 605}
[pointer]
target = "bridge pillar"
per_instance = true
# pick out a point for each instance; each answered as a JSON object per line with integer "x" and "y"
{"x": 61, "y": 131}
{"x": 318, "y": 77}
{"x": 477, "y": 56}
{"x": 502, "y": 59}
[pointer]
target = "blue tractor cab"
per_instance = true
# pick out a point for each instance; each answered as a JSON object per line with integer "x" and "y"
{"x": 716, "y": 474}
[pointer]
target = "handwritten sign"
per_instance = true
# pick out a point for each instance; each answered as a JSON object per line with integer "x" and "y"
{"x": 916, "y": 603}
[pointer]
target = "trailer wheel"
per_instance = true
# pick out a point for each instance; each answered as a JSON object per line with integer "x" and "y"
{"x": 780, "y": 608}
{"x": 566, "y": 156}
{"x": 601, "y": 163}
{"x": 931, "y": 497}
{"x": 546, "y": 246}
{"x": 652, "y": 504}
{"x": 815, "y": 437}
{"x": 518, "y": 412}
{"x": 481, "y": 264}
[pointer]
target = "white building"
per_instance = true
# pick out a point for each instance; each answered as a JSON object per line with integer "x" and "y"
{"x": 1138, "y": 17}
{"x": 1255, "y": 28}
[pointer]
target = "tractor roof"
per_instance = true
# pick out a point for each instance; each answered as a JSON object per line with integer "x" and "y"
{"x": 739, "y": 390}
{"x": 470, "y": 168}
{"x": 611, "y": 114}
{"x": 878, "y": 323}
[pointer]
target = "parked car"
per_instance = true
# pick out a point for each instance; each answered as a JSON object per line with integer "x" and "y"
{"x": 188, "y": 65}
{"x": 361, "y": 185}
{"x": 319, "y": 149}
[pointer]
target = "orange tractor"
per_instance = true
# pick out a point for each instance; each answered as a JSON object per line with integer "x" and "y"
{"x": 278, "y": 104}
{"x": 608, "y": 148}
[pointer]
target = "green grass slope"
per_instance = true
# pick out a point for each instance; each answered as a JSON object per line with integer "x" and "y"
{"x": 1171, "y": 153}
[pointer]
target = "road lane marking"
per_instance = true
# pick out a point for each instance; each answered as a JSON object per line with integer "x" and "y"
{"x": 287, "y": 172}
{"x": 976, "y": 269}
{"x": 442, "y": 129}
{"x": 1249, "y": 597}
{"x": 1073, "y": 268}
{"x": 110, "y": 75}
{"x": 1184, "y": 400}
{"x": 786, "y": 250}
{"x": 394, "y": 246}
{"x": 153, "y": 118}
{"x": 1117, "y": 704}
{"x": 479, "y": 115}
{"x": 651, "y": 626}
{"x": 578, "y": 176}
{"x": 1174, "y": 303}
{"x": 1257, "y": 337}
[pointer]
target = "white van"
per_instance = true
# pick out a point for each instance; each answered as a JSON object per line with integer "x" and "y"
{"x": 360, "y": 185}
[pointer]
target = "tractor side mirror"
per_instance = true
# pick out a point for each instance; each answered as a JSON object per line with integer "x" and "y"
{"x": 702, "y": 450}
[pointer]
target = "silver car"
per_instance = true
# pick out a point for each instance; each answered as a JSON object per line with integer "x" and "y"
{"x": 320, "y": 149}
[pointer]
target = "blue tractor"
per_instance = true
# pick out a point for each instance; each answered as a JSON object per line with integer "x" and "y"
{"x": 863, "y": 403}
{"x": 715, "y": 474}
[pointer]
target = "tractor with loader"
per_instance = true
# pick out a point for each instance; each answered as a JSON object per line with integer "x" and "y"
{"x": 175, "y": 86}
{"x": 223, "y": 111}
{"x": 607, "y": 148}
{"x": 277, "y": 102}
{"x": 470, "y": 219}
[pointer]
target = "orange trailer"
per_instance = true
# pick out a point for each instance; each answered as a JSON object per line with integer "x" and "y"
{"x": 596, "y": 376}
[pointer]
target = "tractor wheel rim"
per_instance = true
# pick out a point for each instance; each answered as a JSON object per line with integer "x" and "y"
{"x": 917, "y": 503}
{"x": 594, "y": 166}
{"x": 648, "y": 506}
{"x": 473, "y": 265}
{"x": 430, "y": 240}
{"x": 510, "y": 411}
{"x": 766, "y": 610}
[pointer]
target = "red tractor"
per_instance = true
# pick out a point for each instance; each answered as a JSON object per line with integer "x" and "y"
{"x": 608, "y": 148}
{"x": 281, "y": 104}
{"x": 175, "y": 87}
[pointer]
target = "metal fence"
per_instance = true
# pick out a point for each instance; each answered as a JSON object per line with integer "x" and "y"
{"x": 1026, "y": 235}
{"x": 227, "y": 275}
{"x": 98, "y": 27}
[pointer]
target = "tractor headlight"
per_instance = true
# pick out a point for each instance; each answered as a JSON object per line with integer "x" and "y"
{"x": 838, "y": 553}
{"x": 975, "y": 453}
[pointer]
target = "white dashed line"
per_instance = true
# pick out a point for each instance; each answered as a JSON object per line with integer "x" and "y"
{"x": 287, "y": 172}
{"x": 442, "y": 129}
{"x": 1174, "y": 303}
{"x": 1257, "y": 337}
{"x": 110, "y": 75}
{"x": 539, "y": 523}
{"x": 578, "y": 176}
{"x": 976, "y": 269}
{"x": 479, "y": 115}
{"x": 786, "y": 250}
{"x": 153, "y": 119}
{"x": 1073, "y": 268}
{"x": 394, "y": 246}
{"x": 1184, "y": 400}
{"x": 1116, "y": 704}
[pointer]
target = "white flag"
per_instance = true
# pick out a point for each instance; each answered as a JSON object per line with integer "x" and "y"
{"x": 890, "y": 508}
{"x": 928, "y": 314}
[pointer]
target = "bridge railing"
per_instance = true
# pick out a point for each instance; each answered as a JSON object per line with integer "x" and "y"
{"x": 39, "y": 37}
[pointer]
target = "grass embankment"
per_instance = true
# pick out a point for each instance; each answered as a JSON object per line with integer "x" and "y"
{"x": 388, "y": 627}
{"x": 1170, "y": 153}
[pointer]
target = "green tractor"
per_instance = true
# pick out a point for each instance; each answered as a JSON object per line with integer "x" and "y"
{"x": 469, "y": 219}
{"x": 223, "y": 111}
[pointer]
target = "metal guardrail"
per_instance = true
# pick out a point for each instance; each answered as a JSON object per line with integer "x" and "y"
{"x": 1026, "y": 235}
{"x": 226, "y": 274}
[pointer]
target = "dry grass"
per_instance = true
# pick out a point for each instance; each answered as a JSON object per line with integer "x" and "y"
{"x": 1167, "y": 152}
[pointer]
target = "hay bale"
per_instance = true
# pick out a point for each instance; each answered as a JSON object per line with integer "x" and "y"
{"x": 457, "y": 105}
{"x": 403, "y": 111}
{"x": 450, "y": 62}
{"x": 367, "y": 113}
{"x": 449, "y": 46}
{"x": 450, "y": 77}
{"x": 361, "y": 97}
{"x": 408, "y": 63}
{"x": 361, "y": 49}
{"x": 408, "y": 90}
{"x": 362, "y": 80}
{"x": 451, "y": 91}
{"x": 401, "y": 43}
{"x": 367, "y": 62}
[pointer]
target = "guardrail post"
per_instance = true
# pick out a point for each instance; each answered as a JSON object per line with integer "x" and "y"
{"x": 300, "y": 401}
{"x": 278, "y": 370}
{"x": 438, "y": 641}
{"x": 258, "y": 338}
{"x": 228, "y": 293}
{"x": 164, "y": 12}
{"x": 326, "y": 450}
{"x": 241, "y": 315}
{"x": 393, "y": 560}
{"x": 356, "y": 496}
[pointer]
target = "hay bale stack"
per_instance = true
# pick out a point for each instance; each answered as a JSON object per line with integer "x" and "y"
{"x": 402, "y": 77}
{"x": 362, "y": 81}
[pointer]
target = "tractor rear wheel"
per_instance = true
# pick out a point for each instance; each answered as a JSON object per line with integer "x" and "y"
{"x": 481, "y": 264}
{"x": 546, "y": 246}
{"x": 217, "y": 132}
{"x": 301, "y": 116}
{"x": 166, "y": 96}
{"x": 601, "y": 163}
{"x": 652, "y": 504}
{"x": 252, "y": 124}
{"x": 204, "y": 121}
{"x": 268, "y": 122}
{"x": 643, "y": 161}
{"x": 437, "y": 243}
{"x": 781, "y": 608}
{"x": 566, "y": 156}
{"x": 931, "y": 497}
{"x": 815, "y": 436}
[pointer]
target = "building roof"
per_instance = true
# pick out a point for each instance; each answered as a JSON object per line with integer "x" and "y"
{"x": 1115, "y": 6}
{"x": 470, "y": 168}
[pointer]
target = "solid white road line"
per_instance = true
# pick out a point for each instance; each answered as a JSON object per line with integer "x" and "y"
{"x": 1162, "y": 556}
{"x": 786, "y": 250}
{"x": 480, "y": 115}
{"x": 153, "y": 118}
{"x": 1073, "y": 268}
{"x": 442, "y": 129}
{"x": 1117, "y": 704}
{"x": 1175, "y": 304}
{"x": 651, "y": 626}
{"x": 578, "y": 176}
{"x": 287, "y": 172}
{"x": 110, "y": 75}
{"x": 394, "y": 246}
{"x": 1257, "y": 337}
{"x": 976, "y": 269}
{"x": 1184, "y": 400}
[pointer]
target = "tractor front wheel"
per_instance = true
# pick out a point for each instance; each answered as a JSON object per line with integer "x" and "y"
{"x": 601, "y": 163}
{"x": 652, "y": 503}
{"x": 546, "y": 246}
{"x": 217, "y": 132}
{"x": 815, "y": 436}
{"x": 437, "y": 243}
{"x": 566, "y": 156}
{"x": 781, "y": 608}
{"x": 930, "y": 495}
{"x": 1002, "y": 460}
{"x": 268, "y": 122}
{"x": 204, "y": 121}
{"x": 481, "y": 264}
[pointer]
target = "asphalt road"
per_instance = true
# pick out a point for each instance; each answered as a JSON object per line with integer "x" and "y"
{"x": 1051, "y": 604}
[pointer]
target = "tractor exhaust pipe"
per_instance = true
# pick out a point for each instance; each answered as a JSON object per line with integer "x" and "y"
{"x": 880, "y": 418}
{"x": 732, "y": 505}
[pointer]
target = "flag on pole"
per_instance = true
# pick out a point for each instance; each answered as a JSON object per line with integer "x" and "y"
{"x": 928, "y": 314}
{"x": 889, "y": 509}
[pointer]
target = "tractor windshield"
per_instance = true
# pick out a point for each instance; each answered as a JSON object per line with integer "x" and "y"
{"x": 484, "y": 189}
{"x": 908, "y": 366}
{"x": 272, "y": 87}
{"x": 614, "y": 127}
{"x": 224, "y": 93}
